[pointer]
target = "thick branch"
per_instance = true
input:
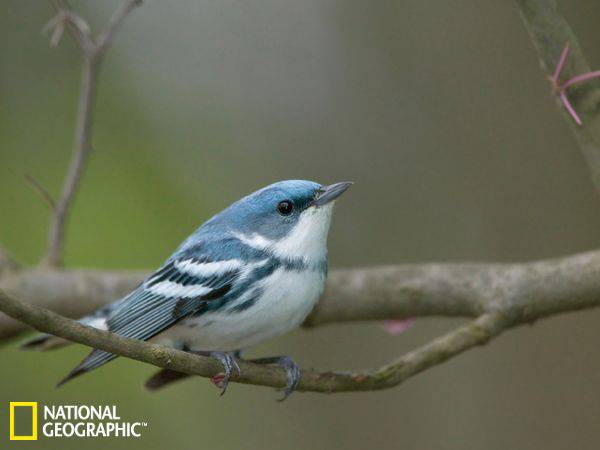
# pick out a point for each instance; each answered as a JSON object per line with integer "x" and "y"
{"x": 530, "y": 290}
{"x": 550, "y": 32}
{"x": 527, "y": 291}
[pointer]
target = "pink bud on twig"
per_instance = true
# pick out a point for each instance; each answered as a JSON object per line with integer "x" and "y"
{"x": 561, "y": 88}
{"x": 395, "y": 327}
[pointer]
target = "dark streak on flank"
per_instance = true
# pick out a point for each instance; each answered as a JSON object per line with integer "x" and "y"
{"x": 246, "y": 303}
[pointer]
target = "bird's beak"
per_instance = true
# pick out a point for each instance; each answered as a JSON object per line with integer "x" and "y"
{"x": 326, "y": 194}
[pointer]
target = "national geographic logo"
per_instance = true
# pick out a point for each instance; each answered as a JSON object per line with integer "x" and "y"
{"x": 26, "y": 415}
{"x": 68, "y": 421}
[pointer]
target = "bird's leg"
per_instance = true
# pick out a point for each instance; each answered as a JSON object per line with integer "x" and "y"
{"x": 291, "y": 369}
{"x": 228, "y": 360}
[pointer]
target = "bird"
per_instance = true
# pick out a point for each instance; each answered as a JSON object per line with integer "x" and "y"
{"x": 252, "y": 272}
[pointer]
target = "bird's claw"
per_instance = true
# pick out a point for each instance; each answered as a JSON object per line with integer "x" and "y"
{"x": 292, "y": 371}
{"x": 228, "y": 360}
{"x": 217, "y": 380}
{"x": 293, "y": 376}
{"x": 229, "y": 364}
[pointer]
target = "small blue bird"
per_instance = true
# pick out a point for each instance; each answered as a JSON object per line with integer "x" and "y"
{"x": 252, "y": 272}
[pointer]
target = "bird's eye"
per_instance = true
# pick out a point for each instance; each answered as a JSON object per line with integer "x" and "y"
{"x": 285, "y": 207}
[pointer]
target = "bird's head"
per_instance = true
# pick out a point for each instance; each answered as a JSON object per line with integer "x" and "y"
{"x": 290, "y": 218}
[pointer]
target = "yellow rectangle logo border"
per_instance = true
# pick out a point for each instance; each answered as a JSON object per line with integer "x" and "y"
{"x": 34, "y": 420}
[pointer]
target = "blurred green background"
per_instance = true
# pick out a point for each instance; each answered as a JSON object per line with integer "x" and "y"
{"x": 437, "y": 110}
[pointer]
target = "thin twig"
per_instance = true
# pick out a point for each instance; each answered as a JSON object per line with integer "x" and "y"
{"x": 93, "y": 53}
{"x": 477, "y": 332}
{"x": 105, "y": 37}
{"x": 82, "y": 150}
{"x": 581, "y": 78}
{"x": 46, "y": 196}
{"x": 560, "y": 64}
{"x": 76, "y": 26}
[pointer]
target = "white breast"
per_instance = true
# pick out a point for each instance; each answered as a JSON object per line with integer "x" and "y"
{"x": 287, "y": 299}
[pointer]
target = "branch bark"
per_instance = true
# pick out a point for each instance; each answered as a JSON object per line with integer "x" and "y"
{"x": 475, "y": 333}
{"x": 93, "y": 54}
{"x": 524, "y": 291}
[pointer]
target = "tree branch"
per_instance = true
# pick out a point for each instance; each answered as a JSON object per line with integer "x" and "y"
{"x": 441, "y": 349}
{"x": 525, "y": 291}
{"x": 550, "y": 32}
{"x": 93, "y": 53}
{"x": 82, "y": 149}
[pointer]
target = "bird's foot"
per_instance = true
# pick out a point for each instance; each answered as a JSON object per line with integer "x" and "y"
{"x": 217, "y": 380}
{"x": 227, "y": 360}
{"x": 291, "y": 369}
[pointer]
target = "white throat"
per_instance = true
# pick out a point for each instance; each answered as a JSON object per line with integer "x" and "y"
{"x": 306, "y": 241}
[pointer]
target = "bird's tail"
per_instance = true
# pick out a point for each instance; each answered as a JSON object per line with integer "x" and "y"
{"x": 163, "y": 378}
{"x": 44, "y": 342}
{"x": 94, "y": 360}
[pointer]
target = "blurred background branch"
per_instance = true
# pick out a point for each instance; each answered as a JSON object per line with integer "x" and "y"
{"x": 93, "y": 53}
{"x": 42, "y": 191}
{"x": 526, "y": 291}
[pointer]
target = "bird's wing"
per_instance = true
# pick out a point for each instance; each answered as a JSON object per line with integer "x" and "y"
{"x": 183, "y": 286}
